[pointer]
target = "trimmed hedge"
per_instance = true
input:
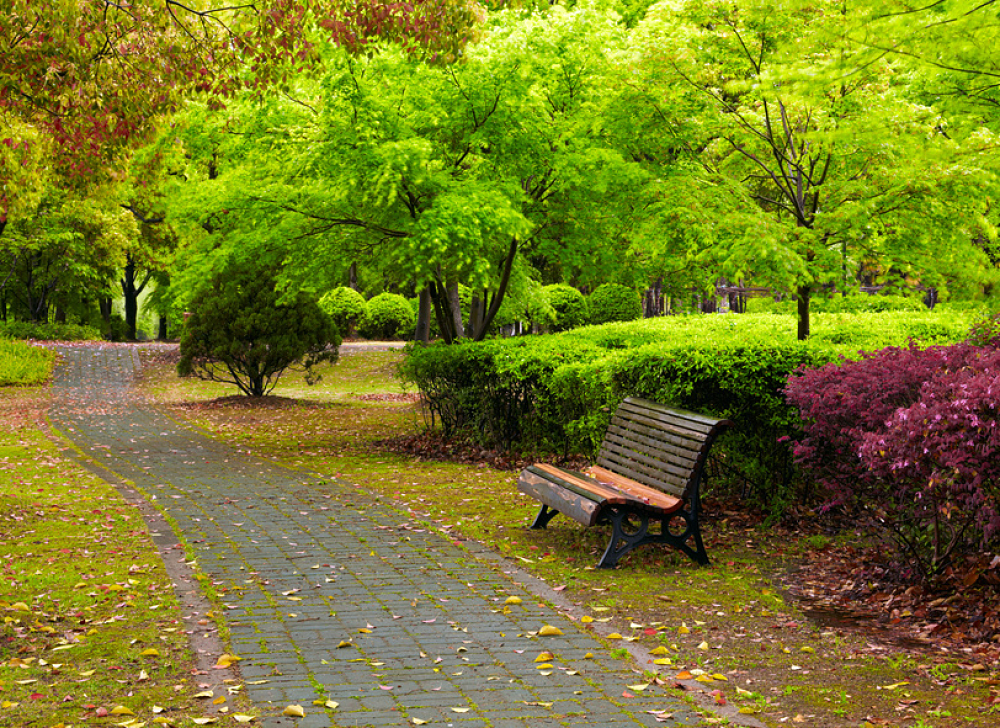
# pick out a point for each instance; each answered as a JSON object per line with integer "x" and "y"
{"x": 558, "y": 392}
{"x": 22, "y": 364}
{"x": 614, "y": 302}
{"x": 345, "y": 306}
{"x": 388, "y": 316}
{"x": 569, "y": 306}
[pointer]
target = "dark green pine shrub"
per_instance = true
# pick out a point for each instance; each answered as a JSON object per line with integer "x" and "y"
{"x": 569, "y": 305}
{"x": 388, "y": 316}
{"x": 345, "y": 306}
{"x": 238, "y": 333}
{"x": 614, "y": 302}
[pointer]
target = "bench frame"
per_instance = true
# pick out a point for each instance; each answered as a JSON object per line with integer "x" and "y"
{"x": 649, "y": 472}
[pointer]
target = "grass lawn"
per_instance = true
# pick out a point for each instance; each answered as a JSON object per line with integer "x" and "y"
{"x": 91, "y": 630}
{"x": 728, "y": 629}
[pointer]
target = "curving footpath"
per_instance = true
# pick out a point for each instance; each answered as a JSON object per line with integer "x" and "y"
{"x": 329, "y": 595}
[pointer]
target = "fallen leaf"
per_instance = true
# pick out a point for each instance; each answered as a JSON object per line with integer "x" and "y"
{"x": 243, "y": 718}
{"x": 512, "y": 600}
{"x": 549, "y": 631}
{"x": 294, "y": 711}
{"x": 460, "y": 710}
{"x": 120, "y": 710}
{"x": 544, "y": 657}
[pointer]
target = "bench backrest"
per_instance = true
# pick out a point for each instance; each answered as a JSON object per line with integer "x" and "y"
{"x": 658, "y": 446}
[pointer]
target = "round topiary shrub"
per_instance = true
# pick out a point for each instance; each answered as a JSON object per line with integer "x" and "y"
{"x": 239, "y": 334}
{"x": 614, "y": 302}
{"x": 569, "y": 306}
{"x": 388, "y": 316}
{"x": 345, "y": 306}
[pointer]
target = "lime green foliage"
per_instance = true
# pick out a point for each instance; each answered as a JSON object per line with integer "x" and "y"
{"x": 388, "y": 316}
{"x": 48, "y": 332}
{"x": 240, "y": 334}
{"x": 559, "y": 391}
{"x": 24, "y": 364}
{"x": 345, "y": 306}
{"x": 614, "y": 302}
{"x": 569, "y": 305}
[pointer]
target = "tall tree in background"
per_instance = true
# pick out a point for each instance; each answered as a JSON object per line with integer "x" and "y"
{"x": 446, "y": 173}
{"x": 801, "y": 170}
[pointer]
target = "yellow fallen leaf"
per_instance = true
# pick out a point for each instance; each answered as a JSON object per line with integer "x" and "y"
{"x": 663, "y": 661}
{"x": 343, "y": 643}
{"x": 683, "y": 675}
{"x": 226, "y": 660}
{"x": 720, "y": 676}
{"x": 544, "y": 666}
{"x": 219, "y": 700}
{"x": 87, "y": 673}
{"x": 419, "y": 721}
{"x": 156, "y": 709}
{"x": 19, "y": 607}
{"x": 544, "y": 657}
{"x": 365, "y": 630}
{"x": 8, "y": 704}
{"x": 549, "y": 631}
{"x": 205, "y": 694}
{"x": 807, "y": 648}
{"x": 683, "y": 629}
{"x": 589, "y": 656}
{"x": 512, "y": 600}
{"x": 639, "y": 688}
{"x": 331, "y": 704}
{"x": 204, "y": 721}
{"x": 460, "y": 710}
{"x": 703, "y": 646}
{"x": 243, "y": 718}
{"x": 294, "y": 711}
{"x": 545, "y": 673}
{"x": 894, "y": 686}
{"x": 586, "y": 619}
{"x": 661, "y": 650}
{"x": 120, "y": 710}
{"x": 614, "y": 636}
{"x": 151, "y": 652}
{"x": 163, "y": 721}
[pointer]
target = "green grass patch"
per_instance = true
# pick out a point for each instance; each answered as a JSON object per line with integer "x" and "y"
{"x": 90, "y": 620}
{"x": 22, "y": 364}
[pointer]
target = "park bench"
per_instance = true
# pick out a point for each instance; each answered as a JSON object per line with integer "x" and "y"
{"x": 648, "y": 473}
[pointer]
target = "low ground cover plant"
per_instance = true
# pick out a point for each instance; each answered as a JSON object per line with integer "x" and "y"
{"x": 48, "y": 331}
{"x": 24, "y": 364}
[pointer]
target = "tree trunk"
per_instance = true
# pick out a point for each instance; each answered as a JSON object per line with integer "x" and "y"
{"x": 803, "y": 294}
{"x": 161, "y": 335}
{"x": 131, "y": 297}
{"x": 105, "y": 306}
{"x": 455, "y": 304}
{"x": 60, "y": 314}
{"x": 423, "y": 333}
{"x": 352, "y": 277}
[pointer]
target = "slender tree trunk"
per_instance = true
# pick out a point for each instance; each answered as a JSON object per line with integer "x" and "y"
{"x": 131, "y": 297}
{"x": 352, "y": 279}
{"x": 105, "y": 306}
{"x": 455, "y": 303}
{"x": 803, "y": 293}
{"x": 423, "y": 333}
{"x": 161, "y": 335}
{"x": 60, "y": 314}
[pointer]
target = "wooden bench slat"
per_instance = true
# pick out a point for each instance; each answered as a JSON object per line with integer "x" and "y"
{"x": 654, "y": 468}
{"x": 661, "y": 450}
{"x": 574, "y": 505}
{"x": 651, "y": 496}
{"x": 680, "y": 436}
{"x": 645, "y": 477}
{"x": 672, "y": 413}
{"x": 674, "y": 418}
{"x": 589, "y": 487}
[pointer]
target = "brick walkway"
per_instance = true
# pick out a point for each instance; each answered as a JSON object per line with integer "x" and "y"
{"x": 329, "y": 595}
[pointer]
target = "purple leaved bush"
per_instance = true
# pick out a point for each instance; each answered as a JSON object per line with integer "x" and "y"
{"x": 913, "y": 435}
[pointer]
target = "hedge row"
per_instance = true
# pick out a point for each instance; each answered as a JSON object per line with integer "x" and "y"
{"x": 48, "y": 331}
{"x": 558, "y": 392}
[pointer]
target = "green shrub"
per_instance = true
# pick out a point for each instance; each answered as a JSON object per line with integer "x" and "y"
{"x": 568, "y": 305}
{"x": 613, "y": 302}
{"x": 48, "y": 332}
{"x": 22, "y": 364}
{"x": 239, "y": 334}
{"x": 388, "y": 316}
{"x": 345, "y": 306}
{"x": 558, "y": 392}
